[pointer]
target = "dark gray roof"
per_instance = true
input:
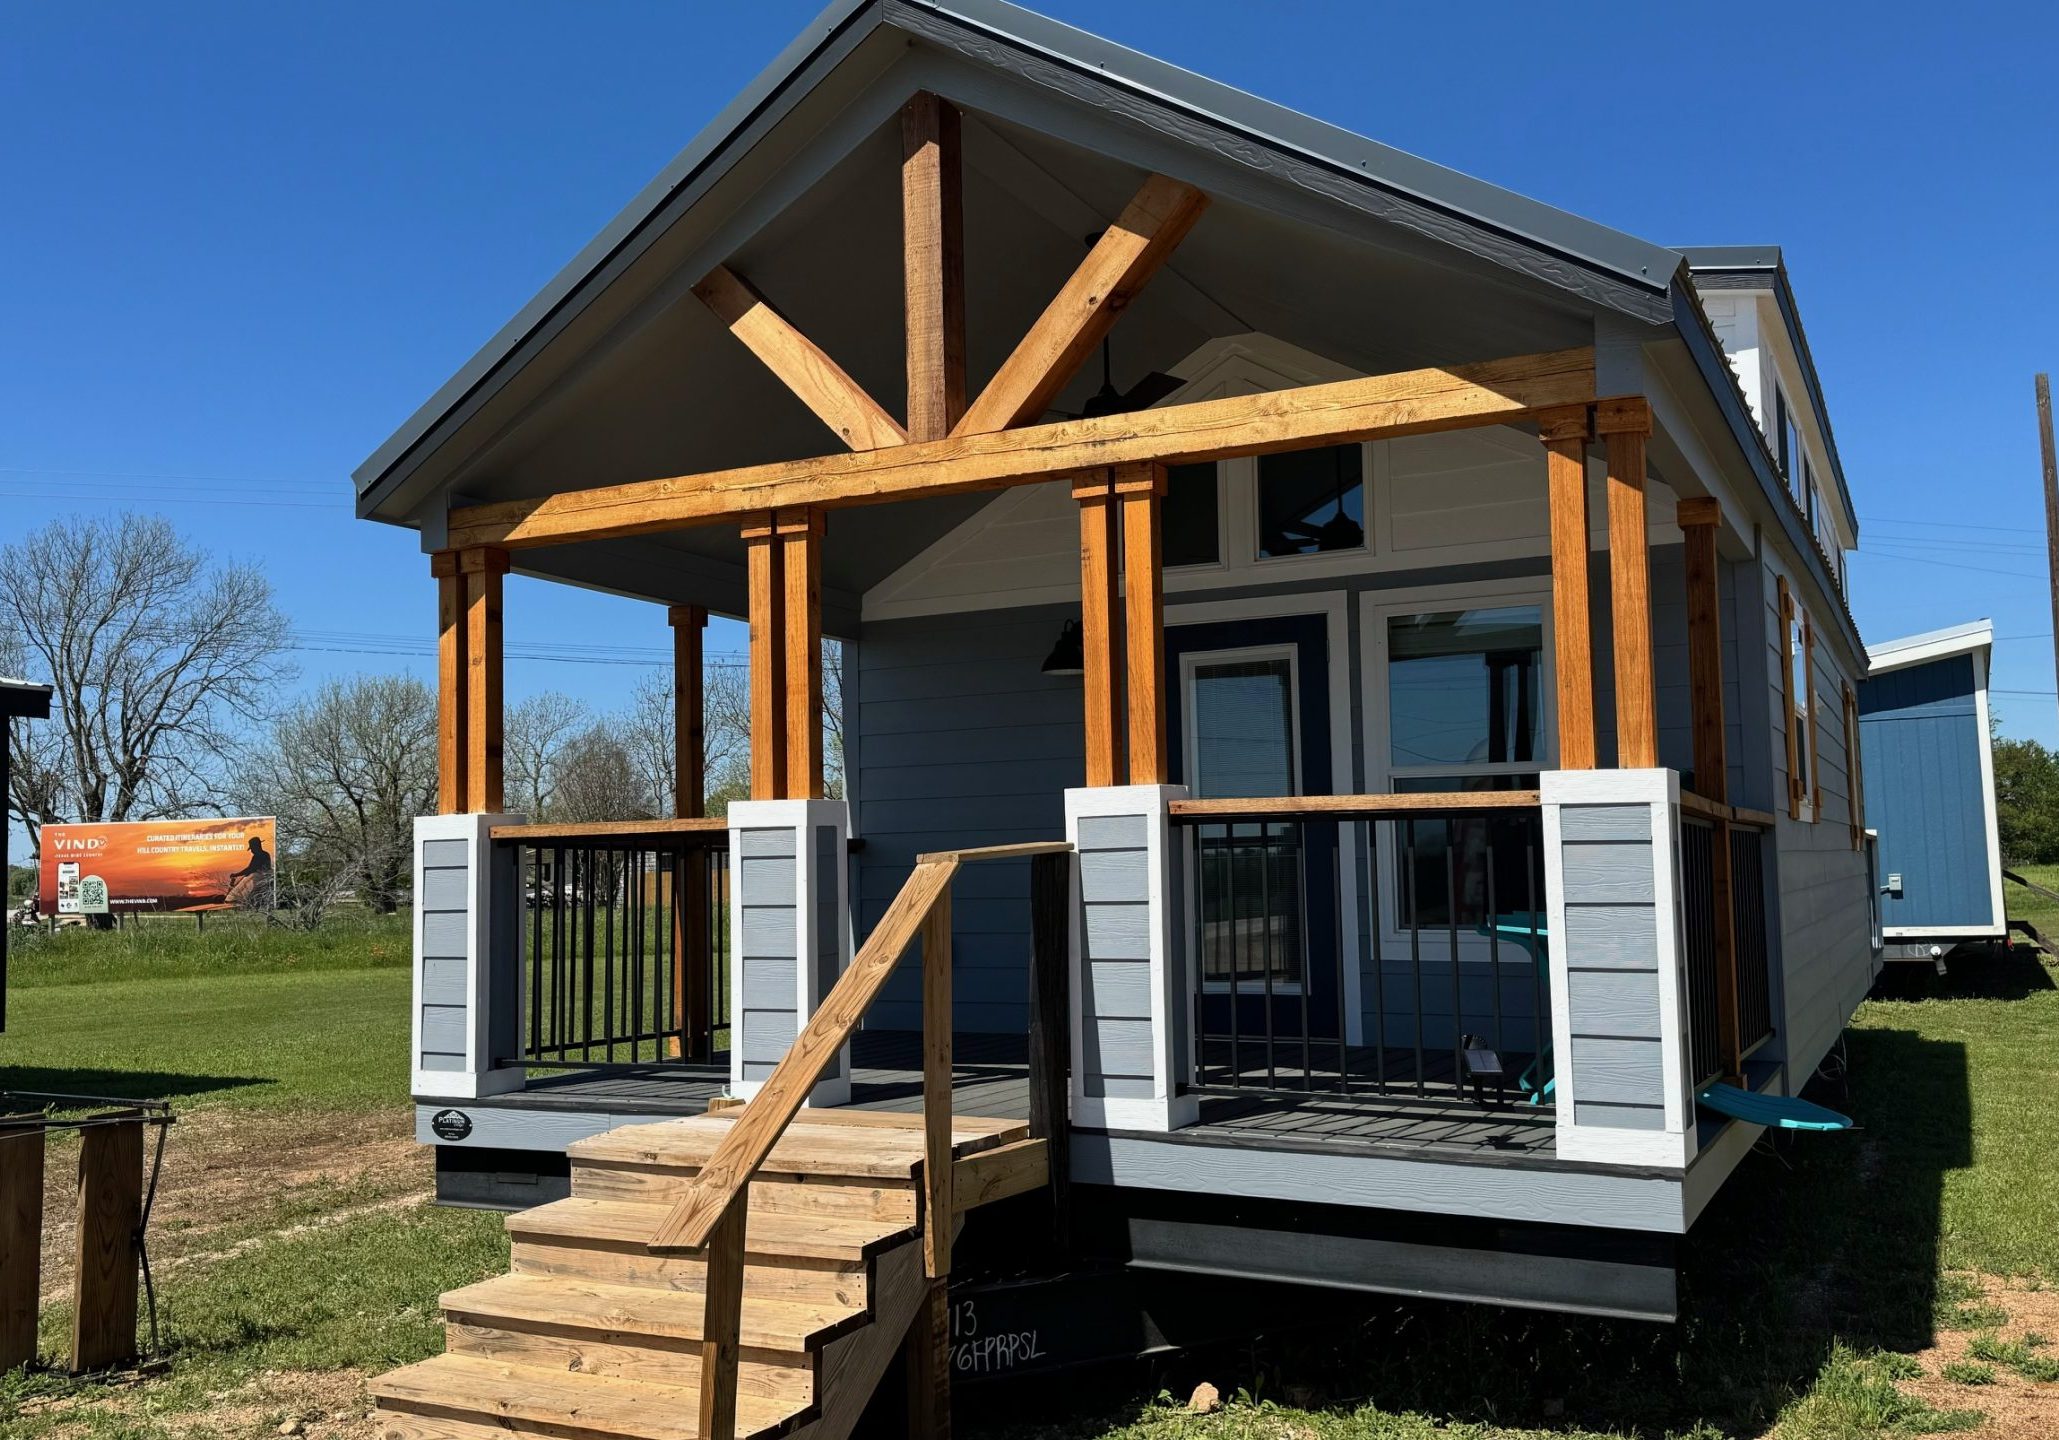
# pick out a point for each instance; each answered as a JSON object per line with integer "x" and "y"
{"x": 1568, "y": 247}
{"x": 1760, "y": 267}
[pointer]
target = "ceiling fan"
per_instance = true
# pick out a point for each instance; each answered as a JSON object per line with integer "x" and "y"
{"x": 1108, "y": 400}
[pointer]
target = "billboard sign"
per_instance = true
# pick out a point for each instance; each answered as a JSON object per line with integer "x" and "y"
{"x": 157, "y": 865}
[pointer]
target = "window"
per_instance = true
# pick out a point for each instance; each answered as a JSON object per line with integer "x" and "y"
{"x": 1855, "y": 776}
{"x": 1809, "y": 491}
{"x": 1783, "y": 433}
{"x": 1240, "y": 734}
{"x": 1311, "y": 502}
{"x": 1193, "y": 516}
{"x": 1465, "y": 711}
{"x": 1798, "y": 696}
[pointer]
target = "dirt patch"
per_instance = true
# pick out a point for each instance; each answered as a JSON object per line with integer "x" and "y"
{"x": 310, "y": 1405}
{"x": 2017, "y": 1408}
{"x": 230, "y": 1174}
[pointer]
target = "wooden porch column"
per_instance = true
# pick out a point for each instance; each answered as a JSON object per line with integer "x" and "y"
{"x": 1096, "y": 496}
{"x": 483, "y": 568}
{"x": 1624, "y": 425}
{"x": 1699, "y": 516}
{"x": 450, "y": 683}
{"x": 933, "y": 257}
{"x": 691, "y": 960}
{"x": 1564, "y": 433}
{"x": 800, "y": 562}
{"x": 1142, "y": 492}
{"x": 768, "y": 660}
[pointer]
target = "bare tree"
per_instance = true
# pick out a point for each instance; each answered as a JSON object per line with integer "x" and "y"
{"x": 597, "y": 780}
{"x": 156, "y": 660}
{"x": 535, "y": 737}
{"x": 347, "y": 770}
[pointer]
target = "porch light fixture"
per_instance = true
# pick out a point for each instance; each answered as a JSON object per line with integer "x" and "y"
{"x": 1068, "y": 656}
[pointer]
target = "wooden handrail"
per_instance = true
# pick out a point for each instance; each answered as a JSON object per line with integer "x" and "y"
{"x": 1702, "y": 805}
{"x": 545, "y": 834}
{"x": 1334, "y": 807}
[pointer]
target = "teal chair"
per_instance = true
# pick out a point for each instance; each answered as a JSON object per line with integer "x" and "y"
{"x": 1527, "y": 931}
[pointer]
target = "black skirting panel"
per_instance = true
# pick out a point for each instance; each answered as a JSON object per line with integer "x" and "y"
{"x": 482, "y": 1178}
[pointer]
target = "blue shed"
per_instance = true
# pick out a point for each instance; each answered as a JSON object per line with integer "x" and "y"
{"x": 1929, "y": 777}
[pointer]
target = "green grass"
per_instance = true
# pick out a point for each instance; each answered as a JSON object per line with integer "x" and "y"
{"x": 171, "y": 947}
{"x": 1968, "y": 1372}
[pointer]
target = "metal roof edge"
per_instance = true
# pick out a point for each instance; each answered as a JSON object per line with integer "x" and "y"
{"x": 1892, "y": 655}
{"x": 1768, "y": 260}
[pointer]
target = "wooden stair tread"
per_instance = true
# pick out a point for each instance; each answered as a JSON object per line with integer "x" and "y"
{"x": 565, "y": 1399}
{"x": 767, "y": 1234}
{"x": 813, "y": 1145}
{"x": 787, "y": 1325}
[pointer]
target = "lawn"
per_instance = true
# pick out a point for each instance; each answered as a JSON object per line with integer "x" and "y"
{"x": 1889, "y": 1282}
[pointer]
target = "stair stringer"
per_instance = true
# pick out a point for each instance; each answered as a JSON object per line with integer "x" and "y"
{"x": 851, "y": 1366}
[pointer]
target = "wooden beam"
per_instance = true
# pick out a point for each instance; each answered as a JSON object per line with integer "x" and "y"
{"x": 817, "y": 381}
{"x": 1141, "y": 490}
{"x": 104, "y": 1278}
{"x": 450, "y": 683}
{"x": 1564, "y": 433}
{"x": 21, "y": 1242}
{"x": 483, "y": 567}
{"x": 689, "y": 732}
{"x": 1699, "y": 518}
{"x": 933, "y": 265}
{"x": 1126, "y": 256}
{"x": 1417, "y": 402}
{"x": 691, "y": 959}
{"x": 1625, "y": 426}
{"x": 1100, "y": 688}
{"x": 937, "y": 1199}
{"x": 762, "y": 550}
{"x": 800, "y": 564}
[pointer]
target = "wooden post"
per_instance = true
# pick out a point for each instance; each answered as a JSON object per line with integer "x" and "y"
{"x": 691, "y": 958}
{"x": 800, "y": 549}
{"x": 1050, "y": 1033}
{"x": 1699, "y": 517}
{"x": 1142, "y": 492}
{"x": 722, "y": 1321}
{"x": 936, "y": 1087}
{"x": 1564, "y": 433}
{"x": 450, "y": 683}
{"x": 927, "y": 1352}
{"x": 482, "y": 569}
{"x": 1624, "y": 426}
{"x": 104, "y": 1280}
{"x": 933, "y": 258}
{"x": 21, "y": 1240}
{"x": 768, "y": 661}
{"x": 1097, "y": 624}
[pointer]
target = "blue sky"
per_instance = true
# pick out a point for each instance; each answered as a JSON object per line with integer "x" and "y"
{"x": 244, "y": 241}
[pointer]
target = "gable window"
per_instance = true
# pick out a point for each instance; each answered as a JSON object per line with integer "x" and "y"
{"x": 1311, "y": 502}
{"x": 1192, "y": 516}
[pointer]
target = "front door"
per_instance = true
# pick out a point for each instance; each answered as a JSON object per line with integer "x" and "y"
{"x": 1249, "y": 718}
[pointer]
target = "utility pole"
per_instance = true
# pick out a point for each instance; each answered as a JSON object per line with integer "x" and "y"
{"x": 2051, "y": 502}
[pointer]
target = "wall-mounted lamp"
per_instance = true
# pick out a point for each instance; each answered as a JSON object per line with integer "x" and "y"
{"x": 1068, "y": 656}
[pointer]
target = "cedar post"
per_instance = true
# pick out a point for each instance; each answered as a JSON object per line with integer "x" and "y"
{"x": 21, "y": 1238}
{"x": 482, "y": 569}
{"x": 110, "y": 1210}
{"x": 768, "y": 660}
{"x": 1142, "y": 492}
{"x": 800, "y": 563}
{"x": 933, "y": 261}
{"x": 450, "y": 683}
{"x": 1699, "y": 516}
{"x": 691, "y": 957}
{"x": 1624, "y": 426}
{"x": 1096, "y": 498}
{"x": 1564, "y": 433}
{"x": 1050, "y": 1037}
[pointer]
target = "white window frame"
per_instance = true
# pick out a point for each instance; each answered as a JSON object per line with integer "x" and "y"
{"x": 1192, "y": 661}
{"x": 1376, "y": 607}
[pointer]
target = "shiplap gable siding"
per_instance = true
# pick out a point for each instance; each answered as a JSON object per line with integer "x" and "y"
{"x": 1920, "y": 731}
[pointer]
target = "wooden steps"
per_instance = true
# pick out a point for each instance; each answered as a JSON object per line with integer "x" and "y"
{"x": 592, "y": 1337}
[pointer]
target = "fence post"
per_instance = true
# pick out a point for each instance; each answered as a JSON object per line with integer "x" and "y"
{"x": 1620, "y": 1023}
{"x": 21, "y": 1240}
{"x": 105, "y": 1276}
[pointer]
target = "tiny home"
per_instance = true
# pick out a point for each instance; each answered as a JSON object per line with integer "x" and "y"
{"x": 1929, "y": 780}
{"x": 1347, "y": 723}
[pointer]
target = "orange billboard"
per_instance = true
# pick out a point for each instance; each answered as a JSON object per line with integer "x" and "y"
{"x": 150, "y": 865}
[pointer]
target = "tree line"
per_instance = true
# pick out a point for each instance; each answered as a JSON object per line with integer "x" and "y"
{"x": 167, "y": 673}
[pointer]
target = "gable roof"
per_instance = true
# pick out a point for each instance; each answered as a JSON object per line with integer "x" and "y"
{"x": 1760, "y": 267}
{"x": 1973, "y": 637}
{"x": 1597, "y": 263}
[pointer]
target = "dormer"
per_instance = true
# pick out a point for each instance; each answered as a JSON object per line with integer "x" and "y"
{"x": 1744, "y": 290}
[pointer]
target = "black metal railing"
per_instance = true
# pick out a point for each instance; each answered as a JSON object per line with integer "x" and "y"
{"x": 1704, "y": 955}
{"x": 625, "y": 949}
{"x": 1748, "y": 925}
{"x": 1429, "y": 909}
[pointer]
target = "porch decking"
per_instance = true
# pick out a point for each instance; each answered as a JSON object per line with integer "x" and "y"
{"x": 990, "y": 1076}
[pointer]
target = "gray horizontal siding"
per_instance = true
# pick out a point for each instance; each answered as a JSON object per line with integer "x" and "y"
{"x": 1115, "y": 891}
{"x": 766, "y": 946}
{"x": 444, "y": 893}
{"x": 1612, "y": 982}
{"x": 445, "y": 854}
